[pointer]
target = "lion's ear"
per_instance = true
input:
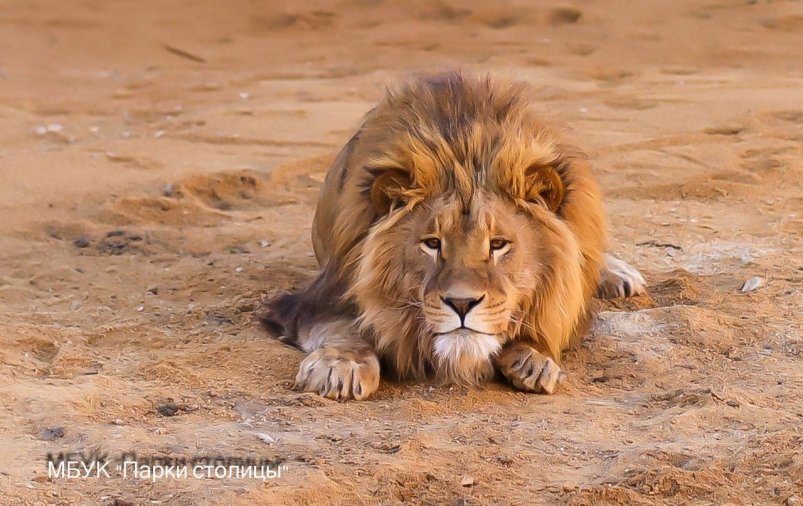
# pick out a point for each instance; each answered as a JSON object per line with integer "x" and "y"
{"x": 544, "y": 186}
{"x": 388, "y": 189}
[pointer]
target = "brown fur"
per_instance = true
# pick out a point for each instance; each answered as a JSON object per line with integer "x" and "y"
{"x": 461, "y": 159}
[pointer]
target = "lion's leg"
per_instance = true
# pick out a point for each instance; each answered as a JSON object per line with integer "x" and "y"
{"x": 341, "y": 364}
{"x": 619, "y": 279}
{"x": 529, "y": 370}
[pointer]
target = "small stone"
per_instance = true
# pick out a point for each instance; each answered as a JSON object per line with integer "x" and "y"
{"x": 75, "y": 306}
{"x": 505, "y": 460}
{"x": 40, "y": 129}
{"x": 793, "y": 500}
{"x": 140, "y": 309}
{"x": 753, "y": 283}
{"x": 467, "y": 481}
{"x": 265, "y": 438}
{"x": 168, "y": 190}
{"x": 153, "y": 289}
{"x": 263, "y": 243}
{"x": 238, "y": 269}
{"x": 168, "y": 409}
{"x": 732, "y": 403}
{"x": 55, "y": 127}
{"x": 81, "y": 242}
{"x": 51, "y": 434}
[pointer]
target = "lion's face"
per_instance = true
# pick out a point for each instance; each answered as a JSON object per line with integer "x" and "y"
{"x": 470, "y": 265}
{"x": 467, "y": 271}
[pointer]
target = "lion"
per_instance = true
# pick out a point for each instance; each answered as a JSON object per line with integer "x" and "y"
{"x": 458, "y": 237}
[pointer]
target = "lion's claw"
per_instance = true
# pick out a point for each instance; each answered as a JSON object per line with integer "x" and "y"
{"x": 339, "y": 375}
{"x": 620, "y": 279}
{"x": 530, "y": 371}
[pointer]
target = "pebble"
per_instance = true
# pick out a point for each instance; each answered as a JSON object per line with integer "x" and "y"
{"x": 51, "y": 434}
{"x": 44, "y": 129}
{"x": 81, "y": 242}
{"x": 263, "y": 243}
{"x": 753, "y": 283}
{"x": 238, "y": 269}
{"x": 505, "y": 460}
{"x": 168, "y": 409}
{"x": 141, "y": 309}
{"x": 265, "y": 438}
{"x": 467, "y": 480}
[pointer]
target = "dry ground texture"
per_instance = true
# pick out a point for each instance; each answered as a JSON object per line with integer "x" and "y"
{"x": 159, "y": 162}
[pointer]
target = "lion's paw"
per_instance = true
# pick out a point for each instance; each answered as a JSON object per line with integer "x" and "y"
{"x": 528, "y": 370}
{"x": 338, "y": 374}
{"x": 620, "y": 279}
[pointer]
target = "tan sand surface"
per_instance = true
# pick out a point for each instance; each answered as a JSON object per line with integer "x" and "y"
{"x": 159, "y": 162}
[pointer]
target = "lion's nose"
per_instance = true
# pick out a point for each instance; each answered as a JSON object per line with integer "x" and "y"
{"x": 462, "y": 306}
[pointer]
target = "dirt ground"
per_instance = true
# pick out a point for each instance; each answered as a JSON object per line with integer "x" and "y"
{"x": 159, "y": 162}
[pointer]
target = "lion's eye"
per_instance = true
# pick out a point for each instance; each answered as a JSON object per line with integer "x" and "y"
{"x": 497, "y": 244}
{"x": 432, "y": 243}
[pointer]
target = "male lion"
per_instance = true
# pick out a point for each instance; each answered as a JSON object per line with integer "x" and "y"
{"x": 457, "y": 236}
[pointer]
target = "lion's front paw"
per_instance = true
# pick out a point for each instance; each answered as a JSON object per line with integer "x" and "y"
{"x": 620, "y": 279}
{"x": 339, "y": 374}
{"x": 528, "y": 370}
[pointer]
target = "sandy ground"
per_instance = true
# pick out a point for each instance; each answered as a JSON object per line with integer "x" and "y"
{"x": 159, "y": 162}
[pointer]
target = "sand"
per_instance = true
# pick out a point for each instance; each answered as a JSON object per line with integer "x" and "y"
{"x": 159, "y": 162}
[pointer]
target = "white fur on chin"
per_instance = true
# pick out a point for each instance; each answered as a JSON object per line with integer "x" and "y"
{"x": 465, "y": 356}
